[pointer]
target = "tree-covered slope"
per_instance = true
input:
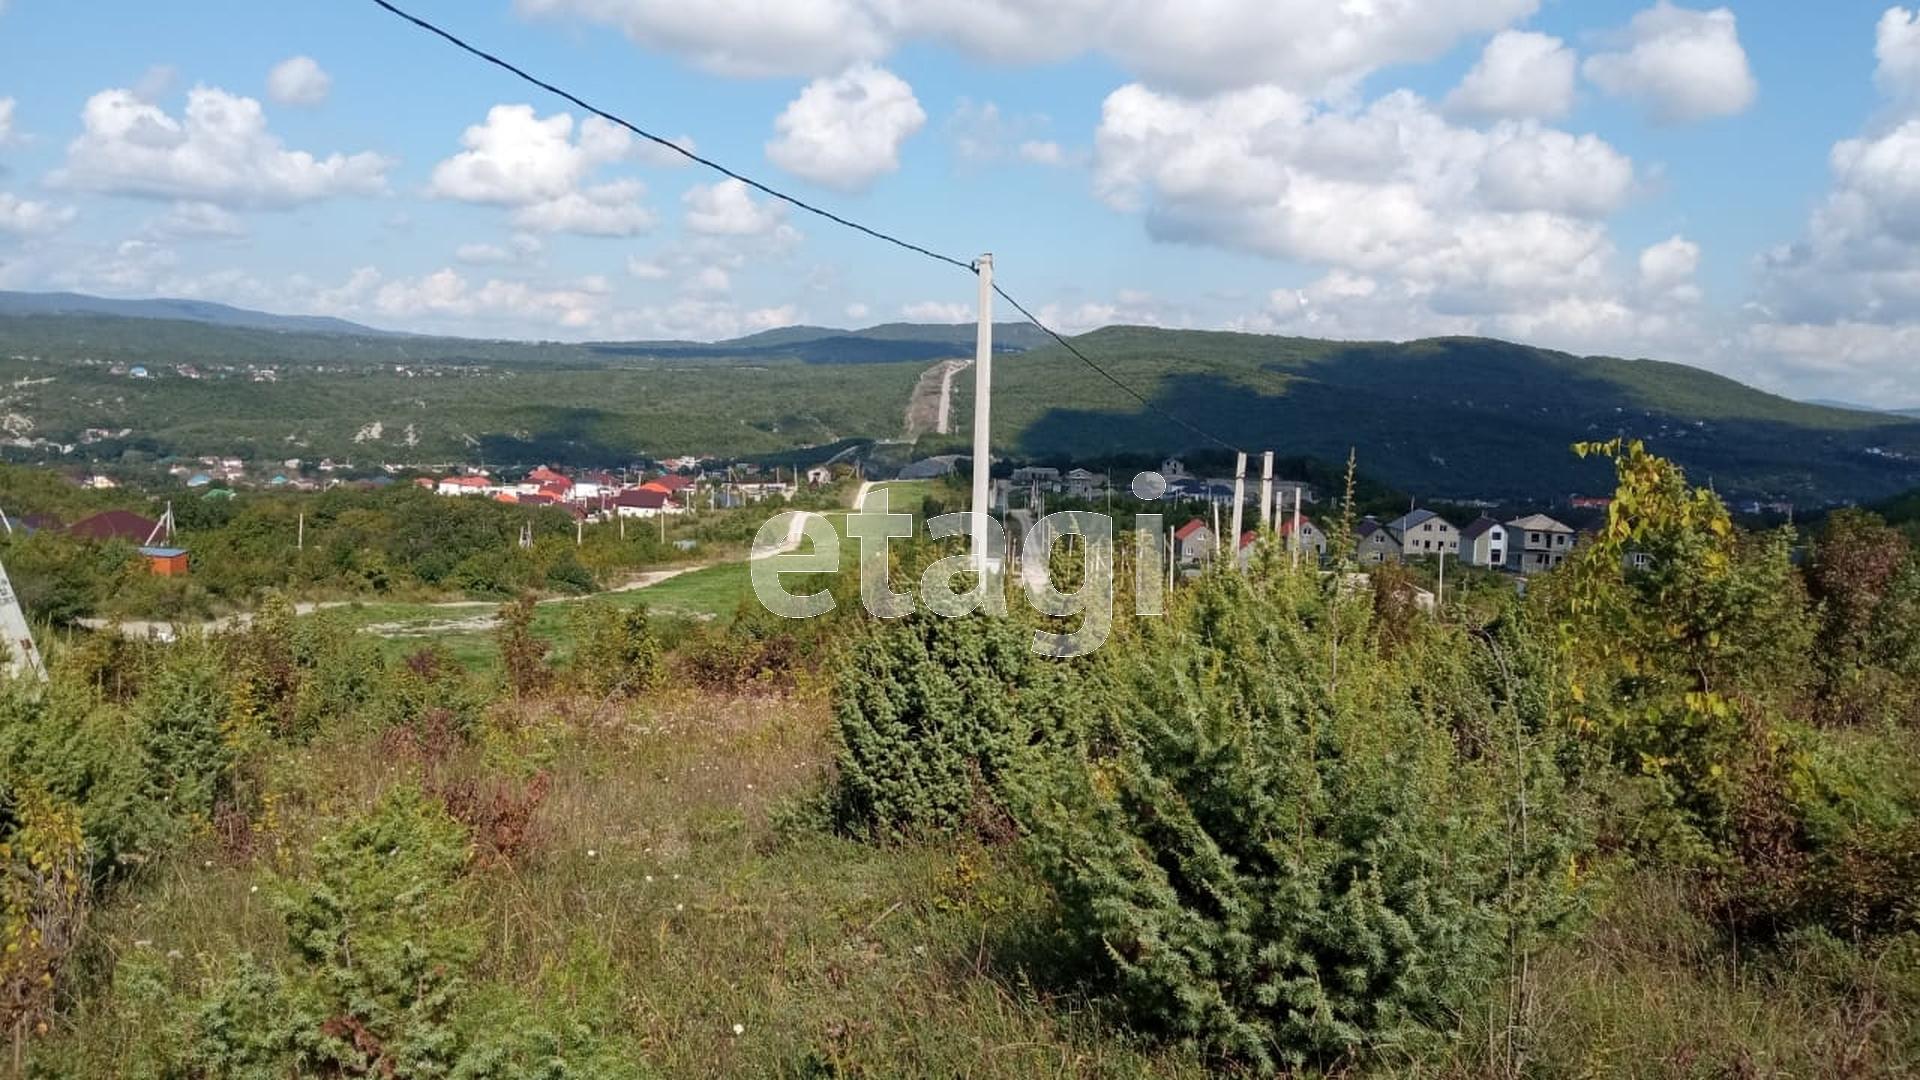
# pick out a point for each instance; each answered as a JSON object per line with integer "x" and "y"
{"x": 1449, "y": 416}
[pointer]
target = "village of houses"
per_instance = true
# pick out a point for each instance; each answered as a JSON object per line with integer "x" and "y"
{"x": 1525, "y": 545}
{"x": 1529, "y": 544}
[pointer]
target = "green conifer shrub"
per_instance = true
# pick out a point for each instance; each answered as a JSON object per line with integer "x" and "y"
{"x": 929, "y": 712}
{"x": 1281, "y": 857}
{"x": 379, "y": 977}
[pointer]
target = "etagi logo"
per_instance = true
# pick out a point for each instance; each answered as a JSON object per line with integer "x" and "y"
{"x": 802, "y": 542}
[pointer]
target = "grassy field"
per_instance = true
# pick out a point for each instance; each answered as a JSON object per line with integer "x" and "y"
{"x": 670, "y": 897}
{"x": 698, "y": 593}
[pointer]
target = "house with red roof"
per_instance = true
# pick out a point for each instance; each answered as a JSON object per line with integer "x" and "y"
{"x": 1194, "y": 542}
{"x": 643, "y": 502}
{"x": 1313, "y": 539}
{"x": 116, "y": 525}
{"x": 465, "y": 485}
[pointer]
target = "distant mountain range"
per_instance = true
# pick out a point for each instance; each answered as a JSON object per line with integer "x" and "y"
{"x": 1459, "y": 417}
{"x": 1446, "y": 417}
{"x": 1832, "y": 404}
{"x": 199, "y": 311}
{"x": 886, "y": 342}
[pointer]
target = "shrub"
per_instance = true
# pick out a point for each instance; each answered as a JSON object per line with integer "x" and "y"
{"x": 616, "y": 653}
{"x": 90, "y": 754}
{"x": 1672, "y": 664}
{"x": 1863, "y": 573}
{"x": 496, "y": 811}
{"x": 1827, "y": 835}
{"x": 522, "y": 654}
{"x": 378, "y": 981}
{"x": 1278, "y": 864}
{"x": 43, "y": 901}
{"x": 929, "y": 712}
{"x": 340, "y": 671}
{"x": 429, "y": 692}
{"x": 182, "y": 717}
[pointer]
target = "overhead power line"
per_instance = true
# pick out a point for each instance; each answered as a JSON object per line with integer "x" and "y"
{"x": 1110, "y": 376}
{"x": 794, "y": 201}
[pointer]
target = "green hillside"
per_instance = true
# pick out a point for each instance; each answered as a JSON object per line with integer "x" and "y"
{"x": 1453, "y": 417}
{"x": 1450, "y": 416}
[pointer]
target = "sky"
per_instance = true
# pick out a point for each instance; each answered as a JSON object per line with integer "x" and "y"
{"x": 1733, "y": 187}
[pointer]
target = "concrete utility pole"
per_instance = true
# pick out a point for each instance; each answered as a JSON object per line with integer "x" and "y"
{"x": 982, "y": 419}
{"x": 1265, "y": 519}
{"x": 1298, "y": 540}
{"x": 300, "y": 535}
{"x": 1239, "y": 496}
{"x": 23, "y": 657}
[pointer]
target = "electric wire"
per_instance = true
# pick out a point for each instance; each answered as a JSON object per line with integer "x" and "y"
{"x": 798, "y": 203}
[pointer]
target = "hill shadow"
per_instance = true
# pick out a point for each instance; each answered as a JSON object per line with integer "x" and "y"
{"x": 1482, "y": 419}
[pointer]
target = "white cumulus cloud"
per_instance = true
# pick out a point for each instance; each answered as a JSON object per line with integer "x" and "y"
{"x": 1667, "y": 269}
{"x": 515, "y": 157}
{"x": 541, "y": 168}
{"x": 1532, "y": 168}
{"x": 23, "y": 217}
{"x": 450, "y": 300}
{"x": 1897, "y": 48}
{"x": 938, "y": 311}
{"x": 6, "y": 119}
{"x": 1681, "y": 64}
{"x": 728, "y": 208}
{"x": 846, "y": 131}
{"x": 1307, "y": 45}
{"x": 1520, "y": 74}
{"x": 191, "y": 219}
{"x": 299, "y": 80}
{"x": 220, "y": 151}
{"x": 1477, "y": 219}
{"x": 612, "y": 209}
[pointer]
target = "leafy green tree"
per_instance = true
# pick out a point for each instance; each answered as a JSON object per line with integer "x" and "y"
{"x": 1862, "y": 574}
{"x": 1681, "y": 635}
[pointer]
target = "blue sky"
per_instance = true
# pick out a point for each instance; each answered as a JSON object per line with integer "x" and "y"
{"x": 1736, "y": 187}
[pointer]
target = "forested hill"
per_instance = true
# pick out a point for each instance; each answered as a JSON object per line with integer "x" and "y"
{"x": 1450, "y": 417}
{"x": 1446, "y": 416}
{"x": 197, "y": 311}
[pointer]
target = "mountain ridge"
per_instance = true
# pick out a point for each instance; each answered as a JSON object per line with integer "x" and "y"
{"x": 1459, "y": 416}
{"x": 178, "y": 310}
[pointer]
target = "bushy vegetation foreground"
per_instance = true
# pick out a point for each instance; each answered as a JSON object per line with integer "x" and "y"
{"x": 1660, "y": 818}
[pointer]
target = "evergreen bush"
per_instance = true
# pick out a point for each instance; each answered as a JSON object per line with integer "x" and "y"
{"x": 1281, "y": 858}
{"x": 929, "y": 712}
